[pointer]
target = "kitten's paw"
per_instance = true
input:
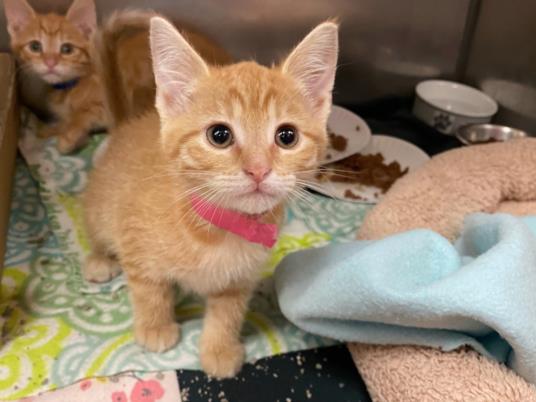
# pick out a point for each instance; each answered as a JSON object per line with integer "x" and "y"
{"x": 100, "y": 269}
{"x": 157, "y": 339}
{"x": 71, "y": 139}
{"x": 66, "y": 145}
{"x": 222, "y": 360}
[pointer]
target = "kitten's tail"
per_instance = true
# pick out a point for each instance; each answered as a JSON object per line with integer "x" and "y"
{"x": 123, "y": 61}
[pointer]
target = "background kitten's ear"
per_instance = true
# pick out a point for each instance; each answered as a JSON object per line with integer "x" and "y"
{"x": 176, "y": 67}
{"x": 313, "y": 63}
{"x": 18, "y": 14}
{"x": 82, "y": 13}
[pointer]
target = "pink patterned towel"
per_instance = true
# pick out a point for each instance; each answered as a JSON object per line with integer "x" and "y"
{"x": 128, "y": 387}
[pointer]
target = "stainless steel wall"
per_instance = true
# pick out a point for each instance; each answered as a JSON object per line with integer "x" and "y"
{"x": 502, "y": 59}
{"x": 387, "y": 45}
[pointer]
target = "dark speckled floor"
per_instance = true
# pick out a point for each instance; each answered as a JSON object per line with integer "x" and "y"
{"x": 317, "y": 375}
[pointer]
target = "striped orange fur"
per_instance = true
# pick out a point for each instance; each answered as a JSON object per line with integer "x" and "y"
{"x": 138, "y": 209}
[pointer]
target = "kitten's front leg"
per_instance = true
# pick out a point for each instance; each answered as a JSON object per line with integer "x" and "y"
{"x": 154, "y": 313}
{"x": 74, "y": 136}
{"x": 222, "y": 353}
{"x": 78, "y": 128}
{"x": 49, "y": 130}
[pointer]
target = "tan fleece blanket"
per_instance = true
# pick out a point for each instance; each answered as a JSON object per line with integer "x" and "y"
{"x": 486, "y": 178}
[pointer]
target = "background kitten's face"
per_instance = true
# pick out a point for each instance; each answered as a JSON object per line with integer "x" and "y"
{"x": 252, "y": 132}
{"x": 244, "y": 136}
{"x": 54, "y": 47}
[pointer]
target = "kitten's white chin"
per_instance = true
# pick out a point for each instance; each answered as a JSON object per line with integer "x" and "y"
{"x": 54, "y": 77}
{"x": 255, "y": 203}
{"x": 57, "y": 78}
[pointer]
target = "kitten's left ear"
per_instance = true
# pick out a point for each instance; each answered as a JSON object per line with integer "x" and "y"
{"x": 313, "y": 63}
{"x": 82, "y": 13}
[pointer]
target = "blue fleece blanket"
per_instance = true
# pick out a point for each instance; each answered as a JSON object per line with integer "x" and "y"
{"x": 417, "y": 288}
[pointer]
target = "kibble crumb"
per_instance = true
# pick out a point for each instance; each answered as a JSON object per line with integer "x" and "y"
{"x": 185, "y": 394}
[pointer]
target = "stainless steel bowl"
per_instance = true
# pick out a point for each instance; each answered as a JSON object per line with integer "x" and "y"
{"x": 484, "y": 133}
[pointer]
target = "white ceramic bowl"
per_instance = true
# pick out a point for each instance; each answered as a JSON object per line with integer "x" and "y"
{"x": 447, "y": 105}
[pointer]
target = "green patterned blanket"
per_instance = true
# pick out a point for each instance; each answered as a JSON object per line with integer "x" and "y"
{"x": 58, "y": 329}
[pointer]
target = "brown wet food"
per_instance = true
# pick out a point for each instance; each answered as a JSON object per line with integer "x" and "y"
{"x": 350, "y": 195}
{"x": 337, "y": 142}
{"x": 322, "y": 175}
{"x": 367, "y": 170}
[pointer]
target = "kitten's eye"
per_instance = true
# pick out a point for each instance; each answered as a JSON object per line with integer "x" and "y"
{"x": 66, "y": 48}
{"x": 286, "y": 137}
{"x": 35, "y": 46}
{"x": 220, "y": 136}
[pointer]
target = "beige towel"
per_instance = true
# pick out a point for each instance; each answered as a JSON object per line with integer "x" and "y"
{"x": 438, "y": 196}
{"x": 419, "y": 374}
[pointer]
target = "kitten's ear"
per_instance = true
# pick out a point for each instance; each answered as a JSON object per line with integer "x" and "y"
{"x": 176, "y": 67}
{"x": 313, "y": 63}
{"x": 18, "y": 14}
{"x": 83, "y": 15}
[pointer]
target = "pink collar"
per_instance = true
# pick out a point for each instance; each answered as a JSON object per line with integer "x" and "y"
{"x": 239, "y": 224}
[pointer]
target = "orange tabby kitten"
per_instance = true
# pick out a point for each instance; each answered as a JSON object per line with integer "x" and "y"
{"x": 235, "y": 140}
{"x": 84, "y": 79}
{"x": 56, "y": 48}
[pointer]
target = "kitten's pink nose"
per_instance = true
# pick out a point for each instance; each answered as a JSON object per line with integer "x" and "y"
{"x": 50, "y": 61}
{"x": 258, "y": 173}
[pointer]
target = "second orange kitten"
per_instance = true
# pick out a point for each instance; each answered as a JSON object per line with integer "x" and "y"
{"x": 60, "y": 51}
{"x": 56, "y": 49}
